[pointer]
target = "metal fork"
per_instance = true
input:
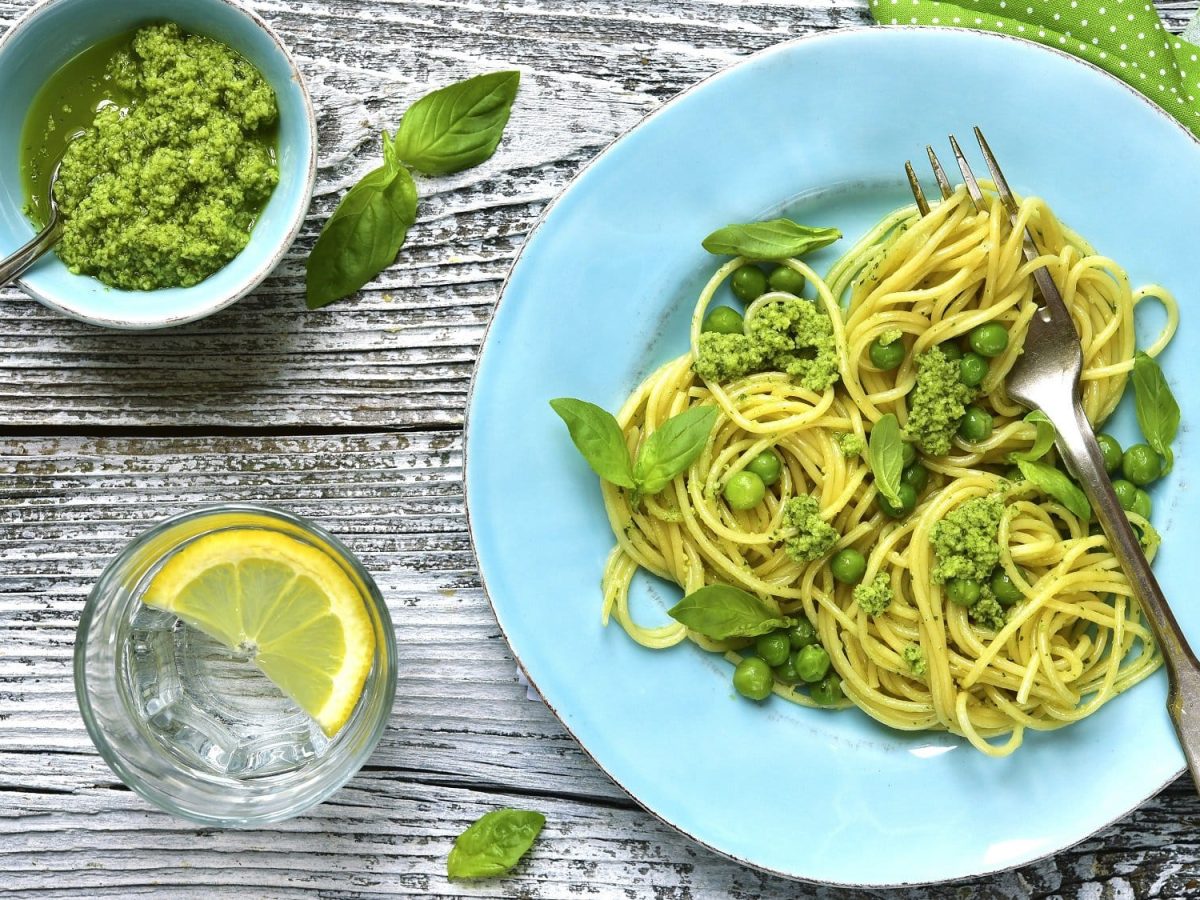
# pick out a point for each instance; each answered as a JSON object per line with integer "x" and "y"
{"x": 1046, "y": 377}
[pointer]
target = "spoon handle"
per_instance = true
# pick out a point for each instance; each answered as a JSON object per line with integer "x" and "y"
{"x": 12, "y": 266}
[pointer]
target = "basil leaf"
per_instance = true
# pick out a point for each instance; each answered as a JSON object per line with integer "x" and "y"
{"x": 364, "y": 234}
{"x": 1041, "y": 443}
{"x": 598, "y": 437}
{"x": 458, "y": 126}
{"x": 672, "y": 447}
{"x": 1058, "y": 485}
{"x": 719, "y": 611}
{"x": 1157, "y": 411}
{"x": 777, "y": 239}
{"x": 494, "y": 843}
{"x": 885, "y": 454}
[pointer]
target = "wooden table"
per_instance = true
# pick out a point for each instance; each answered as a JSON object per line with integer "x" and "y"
{"x": 353, "y": 416}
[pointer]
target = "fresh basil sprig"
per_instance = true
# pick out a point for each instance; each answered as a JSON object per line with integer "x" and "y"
{"x": 1157, "y": 411}
{"x": 672, "y": 447}
{"x": 494, "y": 843}
{"x": 365, "y": 232}
{"x": 458, "y": 126}
{"x": 777, "y": 239}
{"x": 669, "y": 450}
{"x": 598, "y": 437}
{"x": 450, "y": 129}
{"x": 1041, "y": 443}
{"x": 720, "y": 611}
{"x": 1058, "y": 485}
{"x": 885, "y": 453}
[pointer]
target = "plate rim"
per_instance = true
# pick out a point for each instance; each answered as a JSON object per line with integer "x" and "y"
{"x": 780, "y": 47}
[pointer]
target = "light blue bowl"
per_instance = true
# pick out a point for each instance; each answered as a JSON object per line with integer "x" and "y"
{"x": 55, "y": 31}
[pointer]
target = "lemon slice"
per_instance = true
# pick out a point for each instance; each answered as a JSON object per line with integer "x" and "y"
{"x": 284, "y": 601}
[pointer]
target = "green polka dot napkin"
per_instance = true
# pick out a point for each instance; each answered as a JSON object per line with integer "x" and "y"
{"x": 1124, "y": 37}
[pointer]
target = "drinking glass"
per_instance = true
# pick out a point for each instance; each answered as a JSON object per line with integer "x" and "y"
{"x": 195, "y": 727}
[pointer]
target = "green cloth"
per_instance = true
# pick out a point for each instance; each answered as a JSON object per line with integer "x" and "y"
{"x": 1124, "y": 37}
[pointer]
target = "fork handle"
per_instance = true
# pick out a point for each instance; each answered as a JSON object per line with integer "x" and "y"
{"x": 1077, "y": 443}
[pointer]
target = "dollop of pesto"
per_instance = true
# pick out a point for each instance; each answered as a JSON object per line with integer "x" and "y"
{"x": 874, "y": 598}
{"x": 965, "y": 542}
{"x": 725, "y": 357}
{"x": 914, "y": 657}
{"x": 889, "y": 336}
{"x": 987, "y": 611}
{"x": 165, "y": 193}
{"x": 791, "y": 336}
{"x": 851, "y": 444}
{"x": 937, "y": 402}
{"x": 813, "y": 537}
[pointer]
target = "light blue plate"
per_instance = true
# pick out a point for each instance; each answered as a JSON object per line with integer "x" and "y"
{"x": 817, "y": 129}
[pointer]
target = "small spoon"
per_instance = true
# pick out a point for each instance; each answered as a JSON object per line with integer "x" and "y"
{"x": 26, "y": 256}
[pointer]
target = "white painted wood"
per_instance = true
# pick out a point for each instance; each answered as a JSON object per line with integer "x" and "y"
{"x": 102, "y": 434}
{"x": 463, "y": 737}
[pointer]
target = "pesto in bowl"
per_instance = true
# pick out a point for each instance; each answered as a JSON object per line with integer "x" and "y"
{"x": 170, "y": 157}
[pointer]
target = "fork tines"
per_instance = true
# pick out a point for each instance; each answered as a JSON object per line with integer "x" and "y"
{"x": 972, "y": 183}
{"x": 1052, "y": 307}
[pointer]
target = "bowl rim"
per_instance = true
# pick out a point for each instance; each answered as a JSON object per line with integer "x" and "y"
{"x": 281, "y": 247}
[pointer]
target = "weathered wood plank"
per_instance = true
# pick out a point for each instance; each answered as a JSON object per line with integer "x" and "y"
{"x": 69, "y": 505}
{"x": 385, "y": 836}
{"x": 463, "y": 737}
{"x": 401, "y": 353}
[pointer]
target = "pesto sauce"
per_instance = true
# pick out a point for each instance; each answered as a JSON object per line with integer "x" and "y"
{"x": 63, "y": 109}
{"x": 168, "y": 149}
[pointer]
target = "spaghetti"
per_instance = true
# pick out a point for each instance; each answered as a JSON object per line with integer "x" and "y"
{"x": 1076, "y": 636}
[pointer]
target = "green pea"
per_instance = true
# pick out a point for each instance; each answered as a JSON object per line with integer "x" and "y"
{"x": 773, "y": 648}
{"x": 908, "y": 454}
{"x": 744, "y": 490}
{"x": 767, "y": 466}
{"x": 827, "y": 692}
{"x": 951, "y": 350}
{"x": 908, "y": 502}
{"x": 848, "y": 566}
{"x": 989, "y": 340}
{"x": 976, "y": 425}
{"x": 887, "y": 356}
{"x": 1006, "y": 591}
{"x": 724, "y": 320}
{"x": 752, "y": 678}
{"x": 811, "y": 662}
{"x": 972, "y": 369}
{"x": 802, "y": 634}
{"x": 1141, "y": 464}
{"x": 1110, "y": 449}
{"x": 1126, "y": 493}
{"x": 963, "y": 591}
{"x": 748, "y": 283}
{"x": 1141, "y": 504}
{"x": 787, "y": 672}
{"x": 786, "y": 279}
{"x": 915, "y": 476}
